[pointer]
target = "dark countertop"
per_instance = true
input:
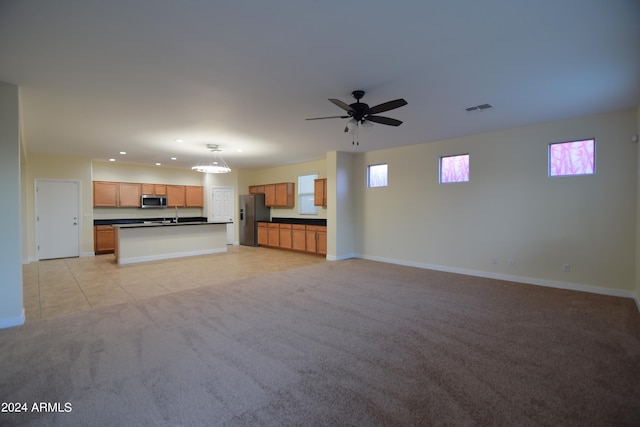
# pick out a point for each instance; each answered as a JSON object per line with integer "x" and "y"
{"x": 300, "y": 221}
{"x": 143, "y": 220}
{"x": 165, "y": 224}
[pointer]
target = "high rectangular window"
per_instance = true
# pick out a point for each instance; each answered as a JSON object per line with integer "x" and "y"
{"x": 377, "y": 175}
{"x": 572, "y": 158}
{"x": 454, "y": 168}
{"x": 305, "y": 195}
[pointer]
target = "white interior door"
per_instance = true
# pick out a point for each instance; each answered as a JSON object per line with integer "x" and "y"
{"x": 57, "y": 219}
{"x": 222, "y": 208}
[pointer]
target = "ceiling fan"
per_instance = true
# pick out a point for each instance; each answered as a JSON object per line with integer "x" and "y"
{"x": 361, "y": 112}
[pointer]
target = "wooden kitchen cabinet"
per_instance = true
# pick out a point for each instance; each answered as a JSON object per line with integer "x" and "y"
{"x": 317, "y": 239}
{"x": 299, "y": 237}
{"x": 103, "y": 239}
{"x": 105, "y": 194}
{"x": 256, "y": 189}
{"x": 320, "y": 192}
{"x": 154, "y": 189}
{"x": 263, "y": 234}
{"x": 285, "y": 236}
{"x": 194, "y": 196}
{"x": 281, "y": 195}
{"x": 321, "y": 241}
{"x": 270, "y": 195}
{"x": 175, "y": 196}
{"x": 273, "y": 234}
{"x": 129, "y": 195}
{"x": 285, "y": 197}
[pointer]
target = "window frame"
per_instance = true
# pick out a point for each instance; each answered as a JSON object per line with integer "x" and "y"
{"x": 549, "y": 158}
{"x": 313, "y": 208}
{"x": 386, "y": 178}
{"x": 440, "y": 181}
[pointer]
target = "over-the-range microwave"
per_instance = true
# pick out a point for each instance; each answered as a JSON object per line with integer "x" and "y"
{"x": 149, "y": 201}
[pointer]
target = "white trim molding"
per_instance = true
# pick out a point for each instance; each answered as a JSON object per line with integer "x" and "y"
{"x": 511, "y": 278}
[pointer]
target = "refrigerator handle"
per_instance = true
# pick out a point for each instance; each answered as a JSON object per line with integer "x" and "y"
{"x": 241, "y": 214}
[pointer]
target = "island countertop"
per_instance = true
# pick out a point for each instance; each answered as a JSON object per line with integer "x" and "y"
{"x": 165, "y": 224}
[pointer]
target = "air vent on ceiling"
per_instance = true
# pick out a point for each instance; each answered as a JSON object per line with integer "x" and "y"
{"x": 480, "y": 107}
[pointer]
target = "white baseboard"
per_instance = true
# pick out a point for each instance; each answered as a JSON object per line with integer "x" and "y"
{"x": 341, "y": 257}
{"x": 169, "y": 256}
{"x": 86, "y": 254}
{"x": 512, "y": 278}
{"x": 10, "y": 322}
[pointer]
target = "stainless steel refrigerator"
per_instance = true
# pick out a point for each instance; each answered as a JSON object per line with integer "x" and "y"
{"x": 252, "y": 210}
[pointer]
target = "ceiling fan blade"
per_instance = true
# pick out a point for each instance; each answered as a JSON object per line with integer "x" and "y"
{"x": 384, "y": 120}
{"x": 396, "y": 103}
{"x": 344, "y": 106}
{"x": 330, "y": 117}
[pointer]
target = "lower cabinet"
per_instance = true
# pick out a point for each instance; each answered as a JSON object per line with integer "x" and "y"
{"x": 297, "y": 237}
{"x": 273, "y": 234}
{"x": 263, "y": 234}
{"x": 285, "y": 236}
{"x": 317, "y": 239}
{"x": 103, "y": 239}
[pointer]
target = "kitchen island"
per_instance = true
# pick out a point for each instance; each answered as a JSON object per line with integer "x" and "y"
{"x": 151, "y": 241}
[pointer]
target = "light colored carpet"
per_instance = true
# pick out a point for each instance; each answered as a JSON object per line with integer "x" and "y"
{"x": 351, "y": 342}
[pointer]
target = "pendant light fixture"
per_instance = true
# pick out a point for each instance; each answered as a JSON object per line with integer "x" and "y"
{"x": 215, "y": 164}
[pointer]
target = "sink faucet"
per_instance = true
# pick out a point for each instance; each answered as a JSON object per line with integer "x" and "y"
{"x": 176, "y": 218}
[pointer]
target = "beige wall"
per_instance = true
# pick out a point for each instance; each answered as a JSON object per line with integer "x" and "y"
{"x": 341, "y": 217}
{"x": 510, "y": 209}
{"x": 49, "y": 167}
{"x": 119, "y": 172}
{"x": 11, "y": 305}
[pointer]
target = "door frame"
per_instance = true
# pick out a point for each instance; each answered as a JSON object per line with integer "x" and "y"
{"x": 35, "y": 216}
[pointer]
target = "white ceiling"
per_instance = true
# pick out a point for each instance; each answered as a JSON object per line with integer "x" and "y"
{"x": 98, "y": 77}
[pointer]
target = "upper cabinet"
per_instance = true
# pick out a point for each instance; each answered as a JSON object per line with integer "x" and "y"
{"x": 280, "y": 195}
{"x": 320, "y": 192}
{"x": 116, "y": 194}
{"x": 105, "y": 194}
{"x": 154, "y": 189}
{"x": 175, "y": 196}
{"x": 194, "y": 196}
{"x": 256, "y": 189}
{"x": 127, "y": 194}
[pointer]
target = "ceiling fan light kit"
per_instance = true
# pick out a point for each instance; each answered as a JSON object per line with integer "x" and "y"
{"x": 215, "y": 164}
{"x": 360, "y": 113}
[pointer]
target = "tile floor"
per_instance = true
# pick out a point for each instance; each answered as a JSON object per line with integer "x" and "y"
{"x": 62, "y": 286}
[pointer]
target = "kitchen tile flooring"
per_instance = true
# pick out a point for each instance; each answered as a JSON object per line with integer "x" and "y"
{"x": 62, "y": 286}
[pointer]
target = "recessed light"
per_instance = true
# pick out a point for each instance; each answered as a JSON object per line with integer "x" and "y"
{"x": 179, "y": 140}
{"x": 112, "y": 160}
{"x": 158, "y": 164}
{"x": 239, "y": 150}
{"x": 123, "y": 152}
{"x": 174, "y": 158}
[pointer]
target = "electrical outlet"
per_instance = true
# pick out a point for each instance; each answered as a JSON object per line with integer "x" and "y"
{"x": 495, "y": 260}
{"x": 512, "y": 262}
{"x": 566, "y": 268}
